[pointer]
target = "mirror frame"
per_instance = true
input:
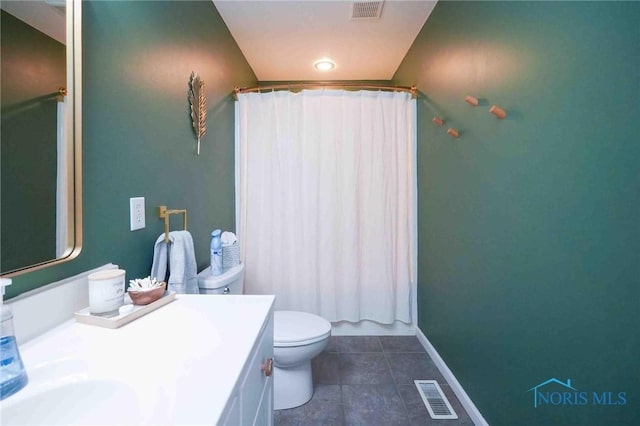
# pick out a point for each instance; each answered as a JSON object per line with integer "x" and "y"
{"x": 74, "y": 183}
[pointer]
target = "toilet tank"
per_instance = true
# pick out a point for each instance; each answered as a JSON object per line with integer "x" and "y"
{"x": 231, "y": 281}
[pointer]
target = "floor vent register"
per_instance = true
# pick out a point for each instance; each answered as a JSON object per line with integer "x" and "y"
{"x": 434, "y": 399}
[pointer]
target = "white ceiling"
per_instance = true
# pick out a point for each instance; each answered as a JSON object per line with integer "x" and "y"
{"x": 281, "y": 40}
{"x": 47, "y": 16}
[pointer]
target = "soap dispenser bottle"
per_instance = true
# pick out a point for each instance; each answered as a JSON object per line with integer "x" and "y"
{"x": 13, "y": 376}
{"x": 216, "y": 253}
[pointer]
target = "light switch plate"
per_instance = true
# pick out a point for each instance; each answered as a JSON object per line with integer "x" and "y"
{"x": 136, "y": 213}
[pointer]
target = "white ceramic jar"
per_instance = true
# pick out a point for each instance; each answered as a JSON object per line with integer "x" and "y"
{"x": 106, "y": 292}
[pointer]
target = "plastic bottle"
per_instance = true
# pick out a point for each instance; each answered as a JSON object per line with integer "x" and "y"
{"x": 216, "y": 253}
{"x": 13, "y": 376}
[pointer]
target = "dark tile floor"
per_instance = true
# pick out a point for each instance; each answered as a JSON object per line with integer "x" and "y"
{"x": 368, "y": 380}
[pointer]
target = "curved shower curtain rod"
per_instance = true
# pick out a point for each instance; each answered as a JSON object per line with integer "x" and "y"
{"x": 324, "y": 85}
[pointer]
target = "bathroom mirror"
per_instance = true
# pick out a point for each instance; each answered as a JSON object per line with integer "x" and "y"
{"x": 40, "y": 139}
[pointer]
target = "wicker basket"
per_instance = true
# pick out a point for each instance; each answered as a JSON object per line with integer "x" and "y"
{"x": 230, "y": 255}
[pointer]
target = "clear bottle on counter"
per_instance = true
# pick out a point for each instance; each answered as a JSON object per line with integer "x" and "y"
{"x": 216, "y": 253}
{"x": 13, "y": 376}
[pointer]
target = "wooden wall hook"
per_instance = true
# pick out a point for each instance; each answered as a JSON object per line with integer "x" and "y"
{"x": 471, "y": 100}
{"x": 439, "y": 121}
{"x": 453, "y": 133}
{"x": 498, "y": 112}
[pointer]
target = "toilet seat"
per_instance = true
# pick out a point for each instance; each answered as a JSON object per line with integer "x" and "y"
{"x": 293, "y": 328}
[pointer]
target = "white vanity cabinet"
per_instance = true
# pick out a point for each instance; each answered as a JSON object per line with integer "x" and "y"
{"x": 252, "y": 400}
{"x": 206, "y": 360}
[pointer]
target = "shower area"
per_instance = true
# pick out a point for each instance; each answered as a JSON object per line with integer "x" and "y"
{"x": 326, "y": 202}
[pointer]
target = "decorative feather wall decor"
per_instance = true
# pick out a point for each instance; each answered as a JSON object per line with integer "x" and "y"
{"x": 198, "y": 101}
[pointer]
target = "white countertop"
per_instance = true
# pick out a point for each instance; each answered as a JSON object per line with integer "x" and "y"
{"x": 176, "y": 365}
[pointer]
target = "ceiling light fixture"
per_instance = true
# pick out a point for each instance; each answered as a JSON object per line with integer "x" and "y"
{"x": 324, "y": 65}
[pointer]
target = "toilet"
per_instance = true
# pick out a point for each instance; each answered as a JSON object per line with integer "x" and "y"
{"x": 230, "y": 282}
{"x": 298, "y": 337}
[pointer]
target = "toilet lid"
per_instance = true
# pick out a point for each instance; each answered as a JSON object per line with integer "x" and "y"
{"x": 293, "y": 328}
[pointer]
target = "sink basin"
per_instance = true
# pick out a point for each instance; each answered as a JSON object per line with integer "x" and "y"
{"x": 82, "y": 402}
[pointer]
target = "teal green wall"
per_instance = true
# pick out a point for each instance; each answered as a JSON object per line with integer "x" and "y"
{"x": 137, "y": 134}
{"x": 32, "y": 69}
{"x": 529, "y": 227}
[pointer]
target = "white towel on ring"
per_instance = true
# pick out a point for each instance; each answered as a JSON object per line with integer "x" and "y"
{"x": 181, "y": 261}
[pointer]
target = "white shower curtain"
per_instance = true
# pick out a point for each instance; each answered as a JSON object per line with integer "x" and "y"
{"x": 326, "y": 200}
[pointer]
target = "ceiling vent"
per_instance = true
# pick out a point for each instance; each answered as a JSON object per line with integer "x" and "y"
{"x": 366, "y": 10}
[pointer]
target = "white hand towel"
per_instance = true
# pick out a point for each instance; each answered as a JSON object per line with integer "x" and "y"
{"x": 182, "y": 262}
{"x": 160, "y": 259}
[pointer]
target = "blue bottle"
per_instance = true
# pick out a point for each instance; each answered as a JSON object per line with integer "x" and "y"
{"x": 216, "y": 253}
{"x": 13, "y": 376}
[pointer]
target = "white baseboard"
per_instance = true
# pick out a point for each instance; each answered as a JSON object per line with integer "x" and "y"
{"x": 372, "y": 328}
{"x": 456, "y": 387}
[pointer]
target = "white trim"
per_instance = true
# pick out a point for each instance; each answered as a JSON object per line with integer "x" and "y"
{"x": 456, "y": 387}
{"x": 414, "y": 219}
{"x": 372, "y": 328}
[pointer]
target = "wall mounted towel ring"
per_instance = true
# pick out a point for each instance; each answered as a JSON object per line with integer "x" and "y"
{"x": 164, "y": 213}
